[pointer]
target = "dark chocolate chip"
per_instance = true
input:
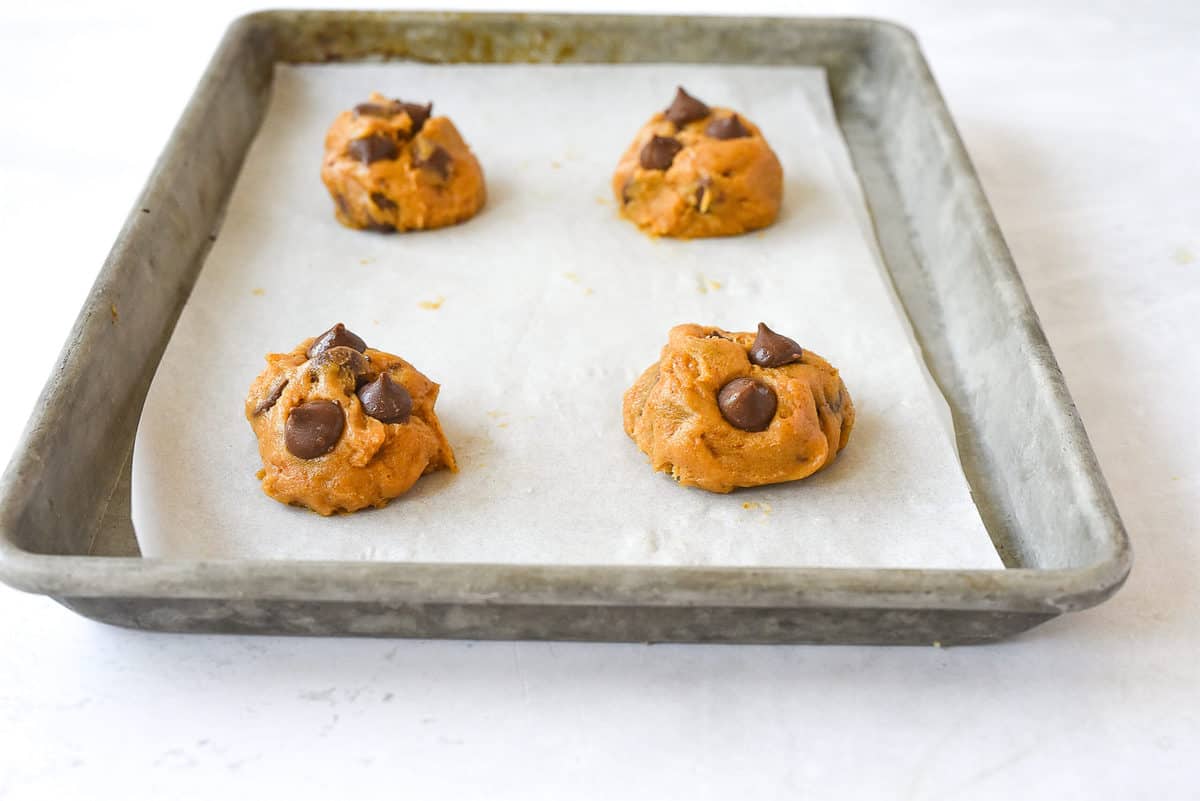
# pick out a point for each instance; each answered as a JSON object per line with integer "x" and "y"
{"x": 835, "y": 405}
{"x": 272, "y": 398}
{"x": 382, "y": 201}
{"x": 625, "y": 196}
{"x": 685, "y": 108}
{"x": 374, "y": 110}
{"x": 659, "y": 152}
{"x": 704, "y": 195}
{"x": 416, "y": 112}
{"x": 373, "y": 148}
{"x": 313, "y": 429}
{"x": 727, "y": 128}
{"x": 438, "y": 161}
{"x": 747, "y": 404}
{"x": 773, "y": 350}
{"x": 380, "y": 227}
{"x": 342, "y": 204}
{"x": 346, "y": 358}
{"x": 338, "y": 336}
{"x": 385, "y": 400}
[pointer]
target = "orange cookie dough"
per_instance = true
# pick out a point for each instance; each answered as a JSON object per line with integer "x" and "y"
{"x": 721, "y": 410}
{"x": 341, "y": 426}
{"x": 697, "y": 171}
{"x": 390, "y": 166}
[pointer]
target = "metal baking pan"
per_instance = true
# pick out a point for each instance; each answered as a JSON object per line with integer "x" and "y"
{"x": 65, "y": 528}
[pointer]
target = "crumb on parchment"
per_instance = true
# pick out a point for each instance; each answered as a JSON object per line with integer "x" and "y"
{"x": 432, "y": 305}
{"x": 704, "y": 284}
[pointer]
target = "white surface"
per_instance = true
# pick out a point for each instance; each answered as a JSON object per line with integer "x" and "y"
{"x": 551, "y": 306}
{"x": 1085, "y": 141}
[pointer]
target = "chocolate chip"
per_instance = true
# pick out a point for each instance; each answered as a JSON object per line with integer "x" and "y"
{"x": 374, "y": 110}
{"x": 338, "y": 336}
{"x": 417, "y": 113}
{"x": 659, "y": 152}
{"x": 438, "y": 161}
{"x": 313, "y": 429}
{"x": 342, "y": 204}
{"x": 373, "y": 148}
{"x": 704, "y": 195}
{"x": 382, "y": 201}
{"x": 773, "y": 350}
{"x": 380, "y": 227}
{"x": 685, "y": 108}
{"x": 385, "y": 400}
{"x": 625, "y": 196}
{"x": 727, "y": 128}
{"x": 272, "y": 398}
{"x": 747, "y": 404}
{"x": 346, "y": 358}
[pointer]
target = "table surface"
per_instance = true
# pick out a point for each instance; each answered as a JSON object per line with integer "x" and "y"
{"x": 1082, "y": 122}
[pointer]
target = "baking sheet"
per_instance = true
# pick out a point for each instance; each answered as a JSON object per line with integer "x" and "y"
{"x": 535, "y": 317}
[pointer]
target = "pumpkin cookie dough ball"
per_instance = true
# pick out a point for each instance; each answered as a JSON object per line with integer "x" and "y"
{"x": 342, "y": 426}
{"x": 721, "y": 410}
{"x": 697, "y": 171}
{"x": 392, "y": 166}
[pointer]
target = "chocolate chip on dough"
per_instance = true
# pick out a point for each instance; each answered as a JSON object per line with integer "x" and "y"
{"x": 346, "y": 358}
{"x": 727, "y": 128}
{"x": 385, "y": 400}
{"x": 272, "y": 398}
{"x": 373, "y": 148}
{"x": 338, "y": 336}
{"x": 747, "y": 404}
{"x": 685, "y": 108}
{"x": 659, "y": 152}
{"x": 313, "y": 429}
{"x": 417, "y": 113}
{"x": 438, "y": 161}
{"x": 374, "y": 110}
{"x": 382, "y": 201}
{"x": 773, "y": 350}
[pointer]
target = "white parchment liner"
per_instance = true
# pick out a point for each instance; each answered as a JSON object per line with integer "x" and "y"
{"x": 535, "y": 317}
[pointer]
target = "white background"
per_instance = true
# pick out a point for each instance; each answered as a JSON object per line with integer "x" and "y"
{"x": 1082, "y": 121}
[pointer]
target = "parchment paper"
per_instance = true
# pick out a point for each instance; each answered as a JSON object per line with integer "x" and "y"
{"x": 535, "y": 317}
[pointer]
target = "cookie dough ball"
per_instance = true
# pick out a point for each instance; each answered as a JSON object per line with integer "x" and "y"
{"x": 342, "y": 426}
{"x": 697, "y": 171}
{"x": 392, "y": 166}
{"x": 721, "y": 410}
